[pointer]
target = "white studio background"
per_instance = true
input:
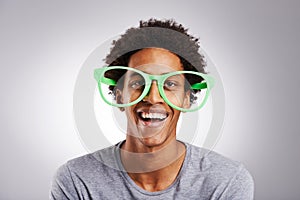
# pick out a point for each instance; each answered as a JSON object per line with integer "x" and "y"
{"x": 254, "y": 44}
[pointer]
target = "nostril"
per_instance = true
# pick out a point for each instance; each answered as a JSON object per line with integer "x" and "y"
{"x": 153, "y": 96}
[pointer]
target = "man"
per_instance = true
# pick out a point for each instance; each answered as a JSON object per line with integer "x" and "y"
{"x": 154, "y": 73}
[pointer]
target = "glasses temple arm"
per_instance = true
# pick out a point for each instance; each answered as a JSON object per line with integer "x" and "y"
{"x": 203, "y": 85}
{"x": 108, "y": 81}
{"x": 199, "y": 86}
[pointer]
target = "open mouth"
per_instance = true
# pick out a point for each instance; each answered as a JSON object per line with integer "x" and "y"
{"x": 152, "y": 117}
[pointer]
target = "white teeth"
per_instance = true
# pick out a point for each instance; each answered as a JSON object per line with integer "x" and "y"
{"x": 153, "y": 115}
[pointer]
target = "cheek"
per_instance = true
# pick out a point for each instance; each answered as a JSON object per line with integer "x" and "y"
{"x": 125, "y": 96}
{"x": 176, "y": 98}
{"x": 131, "y": 95}
{"x": 130, "y": 114}
{"x": 174, "y": 120}
{"x": 177, "y": 114}
{"x": 187, "y": 100}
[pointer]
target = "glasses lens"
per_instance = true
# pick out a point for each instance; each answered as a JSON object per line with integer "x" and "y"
{"x": 121, "y": 87}
{"x": 129, "y": 86}
{"x": 186, "y": 91}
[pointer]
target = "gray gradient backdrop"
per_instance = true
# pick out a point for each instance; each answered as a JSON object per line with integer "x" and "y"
{"x": 254, "y": 44}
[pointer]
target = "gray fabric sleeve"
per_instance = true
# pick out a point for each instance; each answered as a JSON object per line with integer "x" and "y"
{"x": 63, "y": 187}
{"x": 241, "y": 186}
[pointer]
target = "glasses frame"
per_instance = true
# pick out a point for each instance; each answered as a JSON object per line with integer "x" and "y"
{"x": 207, "y": 83}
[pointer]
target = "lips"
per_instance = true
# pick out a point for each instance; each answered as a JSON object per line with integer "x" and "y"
{"x": 152, "y": 117}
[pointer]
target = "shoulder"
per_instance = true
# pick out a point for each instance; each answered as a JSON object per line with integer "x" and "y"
{"x": 84, "y": 167}
{"x": 83, "y": 173}
{"x": 80, "y": 176}
{"x": 228, "y": 176}
{"x": 100, "y": 158}
{"x": 207, "y": 160}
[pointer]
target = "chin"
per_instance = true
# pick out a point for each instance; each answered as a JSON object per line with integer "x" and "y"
{"x": 155, "y": 141}
{"x": 149, "y": 142}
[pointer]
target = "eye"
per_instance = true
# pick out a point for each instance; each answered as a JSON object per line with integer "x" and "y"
{"x": 170, "y": 84}
{"x": 137, "y": 84}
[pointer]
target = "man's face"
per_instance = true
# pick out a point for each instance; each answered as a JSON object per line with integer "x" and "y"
{"x": 152, "y": 121}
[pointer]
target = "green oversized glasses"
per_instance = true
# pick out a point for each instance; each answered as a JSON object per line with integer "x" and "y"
{"x": 125, "y": 86}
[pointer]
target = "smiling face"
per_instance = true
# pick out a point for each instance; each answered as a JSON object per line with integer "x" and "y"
{"x": 152, "y": 122}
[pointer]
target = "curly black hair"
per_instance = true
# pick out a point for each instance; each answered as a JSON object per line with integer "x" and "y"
{"x": 166, "y": 34}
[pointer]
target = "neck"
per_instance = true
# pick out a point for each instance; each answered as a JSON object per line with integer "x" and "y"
{"x": 154, "y": 170}
{"x": 139, "y": 160}
{"x": 159, "y": 179}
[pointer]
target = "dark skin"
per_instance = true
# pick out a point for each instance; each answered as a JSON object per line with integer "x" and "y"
{"x": 151, "y": 154}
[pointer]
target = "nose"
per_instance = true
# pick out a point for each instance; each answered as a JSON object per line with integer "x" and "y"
{"x": 153, "y": 95}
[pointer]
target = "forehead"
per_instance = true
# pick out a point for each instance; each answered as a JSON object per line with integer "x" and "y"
{"x": 155, "y": 61}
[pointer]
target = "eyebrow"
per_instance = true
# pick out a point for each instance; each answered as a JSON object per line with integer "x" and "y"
{"x": 134, "y": 74}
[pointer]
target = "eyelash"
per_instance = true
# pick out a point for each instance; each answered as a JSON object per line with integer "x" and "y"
{"x": 168, "y": 82}
{"x": 134, "y": 84}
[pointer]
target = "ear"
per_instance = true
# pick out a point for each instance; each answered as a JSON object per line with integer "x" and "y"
{"x": 187, "y": 98}
{"x": 119, "y": 98}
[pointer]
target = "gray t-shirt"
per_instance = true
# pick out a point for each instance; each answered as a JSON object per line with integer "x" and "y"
{"x": 204, "y": 175}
